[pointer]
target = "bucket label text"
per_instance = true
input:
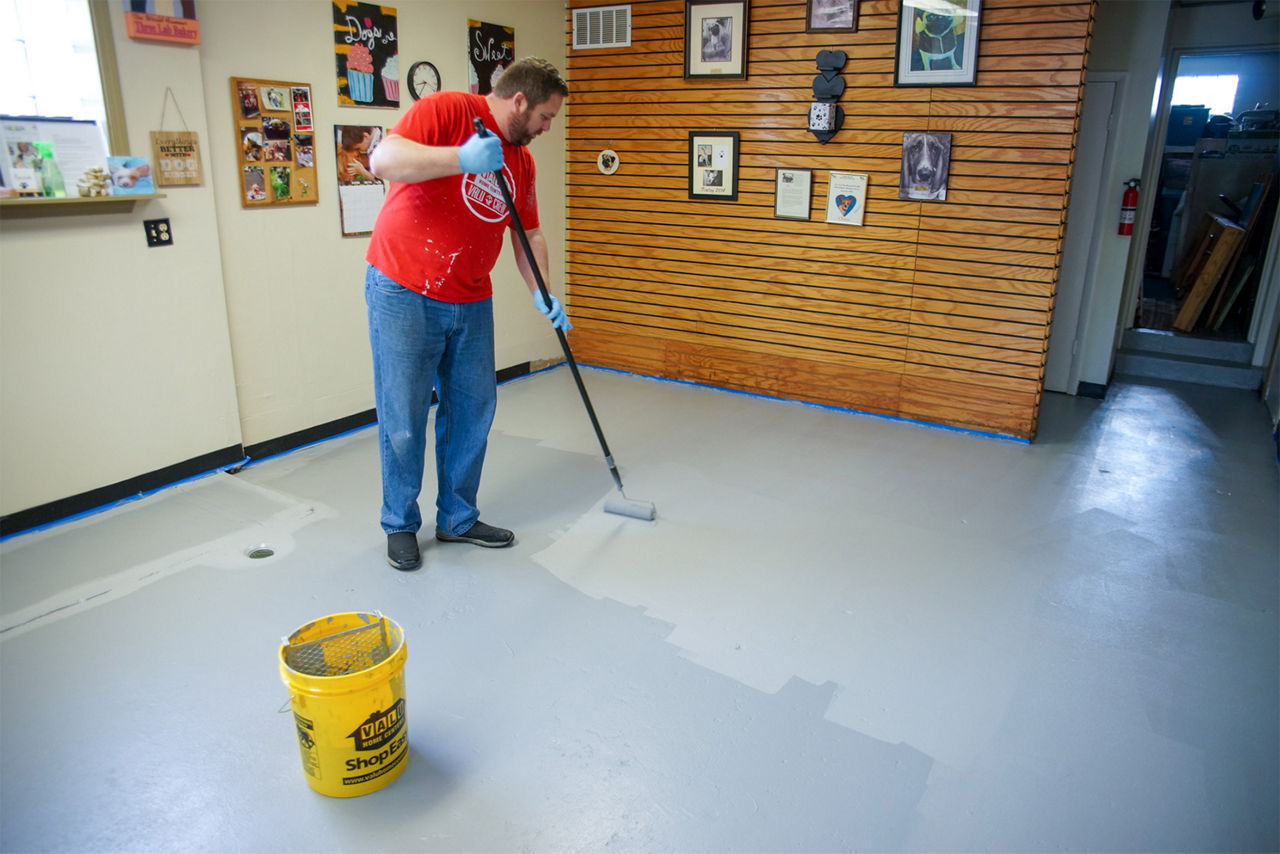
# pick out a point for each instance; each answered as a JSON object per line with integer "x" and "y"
{"x": 378, "y": 764}
{"x": 379, "y": 728}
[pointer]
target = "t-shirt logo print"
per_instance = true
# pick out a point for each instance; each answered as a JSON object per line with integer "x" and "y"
{"x": 483, "y": 196}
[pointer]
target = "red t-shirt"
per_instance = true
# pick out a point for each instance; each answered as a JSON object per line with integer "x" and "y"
{"x": 442, "y": 238}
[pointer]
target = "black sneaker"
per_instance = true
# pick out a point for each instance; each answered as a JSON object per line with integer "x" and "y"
{"x": 480, "y": 534}
{"x": 402, "y": 551}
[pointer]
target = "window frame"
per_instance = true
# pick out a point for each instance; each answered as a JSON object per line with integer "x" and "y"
{"x": 104, "y": 47}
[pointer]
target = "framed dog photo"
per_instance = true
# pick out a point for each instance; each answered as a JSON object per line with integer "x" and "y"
{"x": 713, "y": 165}
{"x": 846, "y": 197}
{"x": 926, "y": 160}
{"x": 937, "y": 43}
{"x": 831, "y": 16}
{"x": 715, "y": 40}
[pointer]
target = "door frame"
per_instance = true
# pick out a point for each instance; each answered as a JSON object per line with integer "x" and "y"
{"x": 1261, "y": 336}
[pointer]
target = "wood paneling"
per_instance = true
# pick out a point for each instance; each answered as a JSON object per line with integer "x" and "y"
{"x": 933, "y": 311}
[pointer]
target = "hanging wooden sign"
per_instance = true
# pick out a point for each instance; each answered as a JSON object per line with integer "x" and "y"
{"x": 141, "y": 22}
{"x": 176, "y": 154}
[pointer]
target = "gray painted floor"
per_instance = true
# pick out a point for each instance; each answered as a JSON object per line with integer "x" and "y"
{"x": 841, "y": 633}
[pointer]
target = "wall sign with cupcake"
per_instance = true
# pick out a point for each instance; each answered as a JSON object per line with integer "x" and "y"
{"x": 275, "y": 142}
{"x": 367, "y": 53}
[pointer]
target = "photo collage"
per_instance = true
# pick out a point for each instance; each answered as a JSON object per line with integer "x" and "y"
{"x": 276, "y": 142}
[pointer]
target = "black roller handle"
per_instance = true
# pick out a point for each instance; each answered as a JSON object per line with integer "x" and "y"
{"x": 546, "y": 296}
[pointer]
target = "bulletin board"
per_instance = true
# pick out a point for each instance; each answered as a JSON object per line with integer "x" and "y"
{"x": 275, "y": 142}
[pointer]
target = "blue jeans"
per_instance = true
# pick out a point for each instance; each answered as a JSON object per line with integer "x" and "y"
{"x": 419, "y": 342}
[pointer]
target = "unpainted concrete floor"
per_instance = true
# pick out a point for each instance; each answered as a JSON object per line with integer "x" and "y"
{"x": 841, "y": 633}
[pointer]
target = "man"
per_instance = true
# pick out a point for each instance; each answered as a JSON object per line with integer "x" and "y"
{"x": 429, "y": 294}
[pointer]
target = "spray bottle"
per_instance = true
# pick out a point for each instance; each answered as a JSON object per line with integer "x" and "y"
{"x": 50, "y": 174}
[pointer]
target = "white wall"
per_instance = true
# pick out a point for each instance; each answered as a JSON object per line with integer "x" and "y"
{"x": 117, "y": 360}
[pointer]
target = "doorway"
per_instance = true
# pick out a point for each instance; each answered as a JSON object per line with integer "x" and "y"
{"x": 1215, "y": 197}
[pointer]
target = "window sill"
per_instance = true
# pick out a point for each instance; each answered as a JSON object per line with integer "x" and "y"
{"x": 30, "y": 208}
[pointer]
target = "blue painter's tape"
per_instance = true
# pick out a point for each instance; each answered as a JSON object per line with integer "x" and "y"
{"x": 119, "y": 502}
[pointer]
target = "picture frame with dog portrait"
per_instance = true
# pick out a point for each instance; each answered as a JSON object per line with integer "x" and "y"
{"x": 846, "y": 197}
{"x": 715, "y": 39}
{"x": 938, "y": 43}
{"x": 831, "y": 16}
{"x": 926, "y": 164}
{"x": 713, "y": 165}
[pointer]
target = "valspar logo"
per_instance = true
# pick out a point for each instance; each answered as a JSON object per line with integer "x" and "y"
{"x": 379, "y": 728}
{"x": 483, "y": 196}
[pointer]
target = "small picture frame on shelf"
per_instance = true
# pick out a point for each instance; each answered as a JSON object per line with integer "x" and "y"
{"x": 715, "y": 39}
{"x": 713, "y": 165}
{"x": 938, "y": 44}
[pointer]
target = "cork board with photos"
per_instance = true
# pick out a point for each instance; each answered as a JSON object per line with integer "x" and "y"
{"x": 275, "y": 142}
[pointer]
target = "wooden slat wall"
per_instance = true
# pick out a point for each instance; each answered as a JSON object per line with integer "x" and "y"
{"x": 933, "y": 311}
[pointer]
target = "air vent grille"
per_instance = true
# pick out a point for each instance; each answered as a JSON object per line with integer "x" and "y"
{"x": 603, "y": 26}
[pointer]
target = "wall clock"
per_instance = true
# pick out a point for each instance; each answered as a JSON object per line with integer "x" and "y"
{"x": 423, "y": 79}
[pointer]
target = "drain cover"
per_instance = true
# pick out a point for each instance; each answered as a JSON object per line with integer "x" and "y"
{"x": 260, "y": 552}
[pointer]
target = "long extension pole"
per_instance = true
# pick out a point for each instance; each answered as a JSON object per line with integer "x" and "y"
{"x": 638, "y": 509}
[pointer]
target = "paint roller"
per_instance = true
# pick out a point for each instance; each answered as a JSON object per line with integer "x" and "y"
{"x": 623, "y": 506}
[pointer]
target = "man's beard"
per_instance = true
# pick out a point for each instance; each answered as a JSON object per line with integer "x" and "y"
{"x": 518, "y": 130}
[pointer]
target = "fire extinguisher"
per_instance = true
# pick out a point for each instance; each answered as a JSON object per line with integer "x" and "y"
{"x": 1129, "y": 206}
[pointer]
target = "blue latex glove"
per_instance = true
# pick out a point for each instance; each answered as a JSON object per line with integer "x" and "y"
{"x": 481, "y": 154}
{"x": 559, "y": 319}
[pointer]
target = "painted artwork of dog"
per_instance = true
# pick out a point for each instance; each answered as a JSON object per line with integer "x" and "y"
{"x": 926, "y": 159}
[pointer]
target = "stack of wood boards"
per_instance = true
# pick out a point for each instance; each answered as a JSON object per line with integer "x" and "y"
{"x": 1209, "y": 272}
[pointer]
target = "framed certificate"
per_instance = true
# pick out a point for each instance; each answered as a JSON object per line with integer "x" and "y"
{"x": 791, "y": 193}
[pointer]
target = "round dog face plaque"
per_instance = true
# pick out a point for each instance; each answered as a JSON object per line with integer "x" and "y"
{"x": 607, "y": 161}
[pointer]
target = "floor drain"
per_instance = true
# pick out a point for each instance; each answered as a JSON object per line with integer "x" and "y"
{"x": 260, "y": 552}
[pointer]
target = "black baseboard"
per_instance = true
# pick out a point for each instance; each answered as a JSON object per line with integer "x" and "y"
{"x": 292, "y": 441}
{"x": 1095, "y": 390}
{"x": 64, "y": 508}
{"x": 514, "y": 371}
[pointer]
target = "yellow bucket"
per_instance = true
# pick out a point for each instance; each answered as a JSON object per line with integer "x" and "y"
{"x": 345, "y": 674}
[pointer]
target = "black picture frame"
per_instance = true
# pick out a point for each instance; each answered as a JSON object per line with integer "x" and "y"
{"x": 716, "y": 37}
{"x": 831, "y": 16}
{"x": 713, "y": 165}
{"x": 919, "y": 35}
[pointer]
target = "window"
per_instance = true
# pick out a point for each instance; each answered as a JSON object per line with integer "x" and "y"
{"x": 1215, "y": 91}
{"x": 52, "y": 65}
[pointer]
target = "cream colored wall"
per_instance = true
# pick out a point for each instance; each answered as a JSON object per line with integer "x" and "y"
{"x": 117, "y": 360}
{"x": 295, "y": 285}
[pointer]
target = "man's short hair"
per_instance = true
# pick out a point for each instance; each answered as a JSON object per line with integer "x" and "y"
{"x": 536, "y": 78}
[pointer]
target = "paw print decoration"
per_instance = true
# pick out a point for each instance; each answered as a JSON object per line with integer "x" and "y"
{"x": 825, "y": 115}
